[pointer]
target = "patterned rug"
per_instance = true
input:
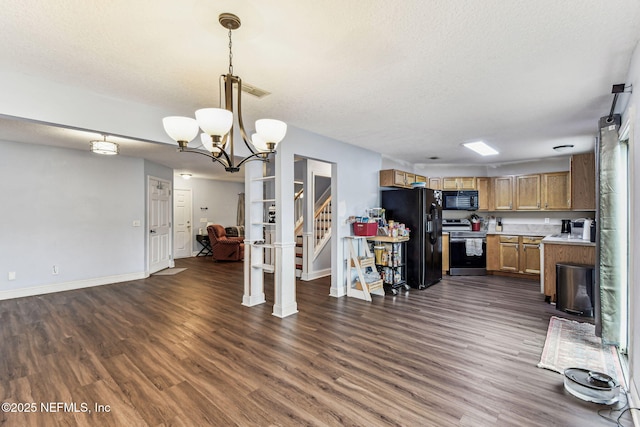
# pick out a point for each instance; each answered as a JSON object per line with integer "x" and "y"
{"x": 169, "y": 271}
{"x": 571, "y": 344}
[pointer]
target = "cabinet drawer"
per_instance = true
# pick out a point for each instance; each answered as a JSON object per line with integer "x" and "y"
{"x": 531, "y": 240}
{"x": 508, "y": 239}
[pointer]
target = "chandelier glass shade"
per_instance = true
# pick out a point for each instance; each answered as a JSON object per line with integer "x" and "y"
{"x": 217, "y": 124}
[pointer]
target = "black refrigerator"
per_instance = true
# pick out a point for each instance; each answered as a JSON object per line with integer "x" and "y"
{"x": 420, "y": 209}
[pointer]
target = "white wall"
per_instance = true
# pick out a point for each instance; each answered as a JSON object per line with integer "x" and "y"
{"x": 220, "y": 198}
{"x": 354, "y": 188}
{"x": 73, "y": 209}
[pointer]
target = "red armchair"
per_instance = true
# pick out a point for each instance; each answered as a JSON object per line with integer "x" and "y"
{"x": 225, "y": 248}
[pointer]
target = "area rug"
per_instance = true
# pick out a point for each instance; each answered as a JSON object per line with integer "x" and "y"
{"x": 571, "y": 344}
{"x": 169, "y": 272}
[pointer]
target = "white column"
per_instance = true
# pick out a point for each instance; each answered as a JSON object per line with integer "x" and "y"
{"x": 285, "y": 279}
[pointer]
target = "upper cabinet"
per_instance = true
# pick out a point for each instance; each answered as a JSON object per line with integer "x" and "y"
{"x": 528, "y": 192}
{"x": 435, "y": 183}
{"x": 458, "y": 183}
{"x": 503, "y": 193}
{"x": 533, "y": 192}
{"x": 583, "y": 182}
{"x": 398, "y": 178}
{"x": 556, "y": 191}
{"x": 484, "y": 193}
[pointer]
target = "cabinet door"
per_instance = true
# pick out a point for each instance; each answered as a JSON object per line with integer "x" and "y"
{"x": 493, "y": 252}
{"x": 503, "y": 192}
{"x": 509, "y": 257}
{"x": 530, "y": 255}
{"x": 449, "y": 183}
{"x": 435, "y": 183}
{"x": 556, "y": 191}
{"x": 445, "y": 253}
{"x": 528, "y": 192}
{"x": 583, "y": 182}
{"x": 409, "y": 178}
{"x": 467, "y": 183}
{"x": 399, "y": 178}
{"x": 420, "y": 178}
{"x": 482, "y": 185}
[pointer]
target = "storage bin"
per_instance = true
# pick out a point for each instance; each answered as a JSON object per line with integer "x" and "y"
{"x": 365, "y": 228}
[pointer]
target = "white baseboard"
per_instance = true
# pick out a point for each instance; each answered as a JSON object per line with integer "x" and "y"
{"x": 316, "y": 274}
{"x": 68, "y": 286}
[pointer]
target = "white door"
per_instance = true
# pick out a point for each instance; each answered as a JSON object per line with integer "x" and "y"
{"x": 182, "y": 235}
{"x": 159, "y": 221}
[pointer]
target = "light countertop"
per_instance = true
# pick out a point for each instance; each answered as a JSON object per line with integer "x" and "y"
{"x": 557, "y": 239}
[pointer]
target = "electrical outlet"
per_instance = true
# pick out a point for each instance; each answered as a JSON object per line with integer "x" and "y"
{"x": 546, "y": 220}
{"x": 55, "y": 270}
{"x": 12, "y": 275}
{"x": 136, "y": 223}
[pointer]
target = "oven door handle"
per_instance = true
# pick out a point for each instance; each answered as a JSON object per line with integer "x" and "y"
{"x": 463, "y": 239}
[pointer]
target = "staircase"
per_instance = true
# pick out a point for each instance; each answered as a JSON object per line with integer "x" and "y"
{"x": 321, "y": 231}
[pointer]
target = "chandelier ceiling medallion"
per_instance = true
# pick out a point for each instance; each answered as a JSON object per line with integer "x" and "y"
{"x": 217, "y": 123}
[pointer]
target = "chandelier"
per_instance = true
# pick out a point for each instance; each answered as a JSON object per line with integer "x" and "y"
{"x": 217, "y": 123}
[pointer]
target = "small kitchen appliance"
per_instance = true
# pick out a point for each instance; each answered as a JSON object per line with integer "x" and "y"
{"x": 579, "y": 227}
{"x": 566, "y": 226}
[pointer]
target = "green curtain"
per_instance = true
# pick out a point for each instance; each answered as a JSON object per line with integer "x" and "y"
{"x": 612, "y": 241}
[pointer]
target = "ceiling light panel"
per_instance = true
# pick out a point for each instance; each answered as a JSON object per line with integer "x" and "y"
{"x": 481, "y": 148}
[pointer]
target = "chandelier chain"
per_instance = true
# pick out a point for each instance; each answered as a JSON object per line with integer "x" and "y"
{"x": 230, "y": 54}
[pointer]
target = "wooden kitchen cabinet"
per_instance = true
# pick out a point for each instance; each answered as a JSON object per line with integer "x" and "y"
{"x": 435, "y": 183}
{"x": 556, "y": 191}
{"x": 445, "y": 253}
{"x": 543, "y": 192}
{"x": 458, "y": 183}
{"x": 530, "y": 255}
{"x": 493, "y": 252}
{"x": 420, "y": 178}
{"x": 503, "y": 193}
{"x": 396, "y": 178}
{"x": 583, "y": 182}
{"x": 483, "y": 186}
{"x": 519, "y": 254}
{"x": 528, "y": 192}
{"x": 509, "y": 253}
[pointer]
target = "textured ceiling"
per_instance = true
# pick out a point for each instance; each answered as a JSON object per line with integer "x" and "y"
{"x": 410, "y": 79}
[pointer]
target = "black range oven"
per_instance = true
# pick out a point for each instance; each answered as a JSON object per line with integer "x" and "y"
{"x": 467, "y": 253}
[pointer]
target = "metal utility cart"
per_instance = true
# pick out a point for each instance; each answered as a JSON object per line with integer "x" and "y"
{"x": 391, "y": 261}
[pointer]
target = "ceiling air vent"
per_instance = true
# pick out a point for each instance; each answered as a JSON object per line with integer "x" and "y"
{"x": 255, "y": 91}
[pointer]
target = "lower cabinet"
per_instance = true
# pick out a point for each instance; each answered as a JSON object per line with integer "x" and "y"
{"x": 509, "y": 253}
{"x": 513, "y": 254}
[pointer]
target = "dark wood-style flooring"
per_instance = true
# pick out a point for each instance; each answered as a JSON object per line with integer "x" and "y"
{"x": 182, "y": 351}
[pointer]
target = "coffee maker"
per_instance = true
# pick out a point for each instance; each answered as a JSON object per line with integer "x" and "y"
{"x": 566, "y": 226}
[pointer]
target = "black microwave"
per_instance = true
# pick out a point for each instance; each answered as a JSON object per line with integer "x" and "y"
{"x": 466, "y": 200}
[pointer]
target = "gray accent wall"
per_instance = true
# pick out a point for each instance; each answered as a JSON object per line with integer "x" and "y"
{"x": 72, "y": 209}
